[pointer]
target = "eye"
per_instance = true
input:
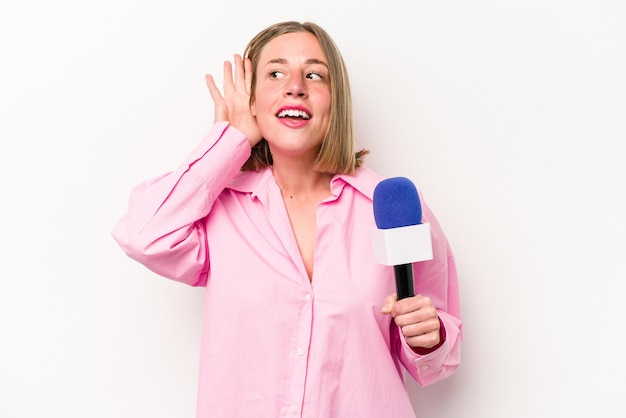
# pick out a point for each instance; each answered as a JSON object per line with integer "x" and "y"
{"x": 276, "y": 74}
{"x": 315, "y": 76}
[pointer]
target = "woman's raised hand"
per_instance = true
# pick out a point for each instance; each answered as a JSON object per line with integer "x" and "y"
{"x": 234, "y": 105}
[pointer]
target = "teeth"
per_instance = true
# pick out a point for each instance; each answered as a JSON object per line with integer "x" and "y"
{"x": 293, "y": 113}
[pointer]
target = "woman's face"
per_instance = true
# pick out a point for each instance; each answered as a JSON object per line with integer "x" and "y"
{"x": 292, "y": 97}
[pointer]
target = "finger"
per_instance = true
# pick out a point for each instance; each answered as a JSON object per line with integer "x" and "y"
{"x": 424, "y": 314}
{"x": 216, "y": 95}
{"x": 411, "y": 304}
{"x": 420, "y": 328}
{"x": 229, "y": 85}
{"x": 248, "y": 75}
{"x": 427, "y": 340}
{"x": 388, "y": 304}
{"x": 240, "y": 82}
{"x": 220, "y": 110}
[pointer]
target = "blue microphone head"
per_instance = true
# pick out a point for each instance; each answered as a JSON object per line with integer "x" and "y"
{"x": 396, "y": 203}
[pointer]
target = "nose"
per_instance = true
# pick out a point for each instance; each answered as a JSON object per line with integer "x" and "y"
{"x": 295, "y": 87}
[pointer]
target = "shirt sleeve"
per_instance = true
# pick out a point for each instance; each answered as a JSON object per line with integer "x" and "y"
{"x": 162, "y": 228}
{"x": 437, "y": 279}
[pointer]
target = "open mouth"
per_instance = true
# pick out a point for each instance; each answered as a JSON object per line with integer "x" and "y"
{"x": 294, "y": 113}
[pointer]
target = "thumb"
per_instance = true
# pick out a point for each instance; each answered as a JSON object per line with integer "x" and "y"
{"x": 389, "y": 301}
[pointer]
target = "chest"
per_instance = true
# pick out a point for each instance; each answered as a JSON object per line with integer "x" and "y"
{"x": 302, "y": 216}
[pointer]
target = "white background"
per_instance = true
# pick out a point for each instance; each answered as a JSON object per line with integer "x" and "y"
{"x": 508, "y": 115}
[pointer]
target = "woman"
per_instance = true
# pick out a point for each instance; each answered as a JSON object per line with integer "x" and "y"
{"x": 272, "y": 212}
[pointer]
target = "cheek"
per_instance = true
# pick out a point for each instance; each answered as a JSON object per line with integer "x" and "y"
{"x": 323, "y": 97}
{"x": 262, "y": 106}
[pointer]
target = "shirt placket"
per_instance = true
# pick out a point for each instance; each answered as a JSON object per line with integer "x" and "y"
{"x": 299, "y": 357}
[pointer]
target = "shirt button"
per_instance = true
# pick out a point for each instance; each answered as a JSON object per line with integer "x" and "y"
{"x": 425, "y": 367}
{"x": 308, "y": 296}
{"x": 293, "y": 409}
{"x": 300, "y": 352}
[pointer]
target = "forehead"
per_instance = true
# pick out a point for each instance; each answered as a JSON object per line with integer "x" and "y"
{"x": 297, "y": 46}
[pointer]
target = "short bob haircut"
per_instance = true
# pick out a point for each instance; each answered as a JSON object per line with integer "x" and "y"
{"x": 336, "y": 155}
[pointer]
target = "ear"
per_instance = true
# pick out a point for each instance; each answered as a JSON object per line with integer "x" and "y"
{"x": 253, "y": 107}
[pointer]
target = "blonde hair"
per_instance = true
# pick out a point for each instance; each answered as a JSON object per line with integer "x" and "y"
{"x": 336, "y": 155}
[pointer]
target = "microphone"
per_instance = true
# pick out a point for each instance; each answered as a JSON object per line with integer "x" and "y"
{"x": 400, "y": 238}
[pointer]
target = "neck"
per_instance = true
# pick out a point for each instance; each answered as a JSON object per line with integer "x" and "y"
{"x": 300, "y": 181}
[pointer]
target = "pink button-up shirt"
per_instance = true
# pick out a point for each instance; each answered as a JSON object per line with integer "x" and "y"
{"x": 274, "y": 343}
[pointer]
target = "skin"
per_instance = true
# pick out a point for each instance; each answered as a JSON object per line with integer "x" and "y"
{"x": 291, "y": 77}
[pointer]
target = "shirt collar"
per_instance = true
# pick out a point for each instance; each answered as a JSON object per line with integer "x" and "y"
{"x": 257, "y": 183}
{"x": 363, "y": 180}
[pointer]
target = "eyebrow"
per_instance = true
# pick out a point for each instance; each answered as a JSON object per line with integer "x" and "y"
{"x": 284, "y": 61}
